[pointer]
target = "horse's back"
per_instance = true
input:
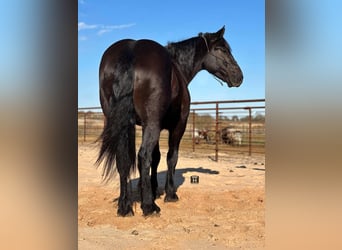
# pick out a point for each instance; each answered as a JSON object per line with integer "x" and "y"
{"x": 151, "y": 56}
{"x": 135, "y": 52}
{"x": 152, "y": 80}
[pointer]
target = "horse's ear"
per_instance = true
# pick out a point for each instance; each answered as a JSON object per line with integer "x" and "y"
{"x": 217, "y": 35}
{"x": 220, "y": 33}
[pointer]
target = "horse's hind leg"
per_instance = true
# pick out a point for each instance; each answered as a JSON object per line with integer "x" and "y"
{"x": 154, "y": 167}
{"x": 125, "y": 200}
{"x": 150, "y": 140}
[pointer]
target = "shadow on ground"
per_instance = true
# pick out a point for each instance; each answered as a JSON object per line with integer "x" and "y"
{"x": 161, "y": 177}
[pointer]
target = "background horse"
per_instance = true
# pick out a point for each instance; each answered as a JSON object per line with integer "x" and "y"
{"x": 144, "y": 83}
{"x": 232, "y": 136}
{"x": 201, "y": 134}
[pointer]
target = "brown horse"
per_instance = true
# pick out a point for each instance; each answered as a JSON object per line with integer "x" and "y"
{"x": 145, "y": 83}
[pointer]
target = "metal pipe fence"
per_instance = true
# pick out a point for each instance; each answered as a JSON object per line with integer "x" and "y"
{"x": 217, "y": 127}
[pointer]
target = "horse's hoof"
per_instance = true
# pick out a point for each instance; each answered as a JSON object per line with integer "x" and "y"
{"x": 158, "y": 194}
{"x": 153, "y": 215}
{"x": 125, "y": 212}
{"x": 171, "y": 198}
{"x": 150, "y": 209}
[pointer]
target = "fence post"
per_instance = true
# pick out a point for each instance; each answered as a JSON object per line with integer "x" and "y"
{"x": 193, "y": 130}
{"x": 217, "y": 132}
{"x": 84, "y": 126}
{"x": 249, "y": 131}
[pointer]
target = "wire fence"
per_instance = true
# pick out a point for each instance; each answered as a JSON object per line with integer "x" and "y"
{"x": 216, "y": 128}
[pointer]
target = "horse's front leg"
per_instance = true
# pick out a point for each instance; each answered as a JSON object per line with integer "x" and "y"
{"x": 154, "y": 166}
{"x": 172, "y": 158}
{"x": 170, "y": 189}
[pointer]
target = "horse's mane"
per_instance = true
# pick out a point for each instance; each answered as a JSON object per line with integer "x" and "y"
{"x": 184, "y": 52}
{"x": 185, "y": 48}
{"x": 182, "y": 43}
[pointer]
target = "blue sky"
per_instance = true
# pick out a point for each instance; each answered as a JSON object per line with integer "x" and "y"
{"x": 101, "y": 23}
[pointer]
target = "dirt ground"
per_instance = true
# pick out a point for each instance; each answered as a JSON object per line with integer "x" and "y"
{"x": 225, "y": 210}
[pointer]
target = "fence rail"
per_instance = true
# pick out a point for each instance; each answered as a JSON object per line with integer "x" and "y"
{"x": 206, "y": 127}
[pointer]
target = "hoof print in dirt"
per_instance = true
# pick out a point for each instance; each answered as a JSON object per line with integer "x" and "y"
{"x": 242, "y": 166}
{"x": 135, "y": 232}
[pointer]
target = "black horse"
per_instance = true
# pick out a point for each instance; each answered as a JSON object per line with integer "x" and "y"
{"x": 145, "y": 83}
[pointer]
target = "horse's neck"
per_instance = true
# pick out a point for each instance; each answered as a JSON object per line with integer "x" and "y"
{"x": 192, "y": 71}
{"x": 182, "y": 78}
{"x": 186, "y": 73}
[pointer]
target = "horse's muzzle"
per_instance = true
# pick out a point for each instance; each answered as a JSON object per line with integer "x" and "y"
{"x": 236, "y": 82}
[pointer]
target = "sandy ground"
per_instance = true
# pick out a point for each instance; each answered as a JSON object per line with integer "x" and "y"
{"x": 225, "y": 210}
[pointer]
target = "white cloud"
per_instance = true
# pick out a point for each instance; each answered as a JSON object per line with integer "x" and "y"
{"x": 109, "y": 28}
{"x": 103, "y": 28}
{"x": 102, "y": 31}
{"x": 121, "y": 26}
{"x": 82, "y": 38}
{"x": 84, "y": 26}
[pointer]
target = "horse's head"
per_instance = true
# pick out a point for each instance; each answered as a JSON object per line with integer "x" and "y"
{"x": 219, "y": 60}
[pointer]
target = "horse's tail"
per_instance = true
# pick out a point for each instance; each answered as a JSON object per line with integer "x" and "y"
{"x": 118, "y": 136}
